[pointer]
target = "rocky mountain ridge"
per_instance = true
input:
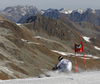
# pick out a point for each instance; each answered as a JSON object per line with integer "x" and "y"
{"x": 64, "y": 30}
{"x": 17, "y": 12}
{"x": 89, "y": 15}
{"x": 20, "y": 13}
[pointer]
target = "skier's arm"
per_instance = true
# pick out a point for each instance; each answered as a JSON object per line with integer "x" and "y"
{"x": 57, "y": 66}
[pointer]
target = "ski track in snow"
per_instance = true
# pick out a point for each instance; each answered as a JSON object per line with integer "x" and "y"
{"x": 92, "y": 77}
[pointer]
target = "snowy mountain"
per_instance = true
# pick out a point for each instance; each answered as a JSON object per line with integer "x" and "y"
{"x": 88, "y": 15}
{"x": 20, "y": 13}
{"x": 22, "y": 10}
{"x": 81, "y": 11}
{"x": 64, "y": 10}
{"x": 15, "y": 13}
{"x": 48, "y": 10}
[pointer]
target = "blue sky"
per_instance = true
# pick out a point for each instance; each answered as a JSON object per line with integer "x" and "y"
{"x": 56, "y": 4}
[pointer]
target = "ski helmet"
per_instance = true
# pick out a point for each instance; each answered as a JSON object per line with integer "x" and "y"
{"x": 60, "y": 58}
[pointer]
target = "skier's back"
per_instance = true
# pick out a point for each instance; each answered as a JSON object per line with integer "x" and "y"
{"x": 63, "y": 65}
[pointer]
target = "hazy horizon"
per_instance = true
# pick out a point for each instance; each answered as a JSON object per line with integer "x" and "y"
{"x": 55, "y": 4}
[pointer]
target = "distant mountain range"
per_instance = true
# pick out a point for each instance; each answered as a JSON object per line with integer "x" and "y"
{"x": 88, "y": 15}
{"x": 20, "y": 13}
{"x": 17, "y": 12}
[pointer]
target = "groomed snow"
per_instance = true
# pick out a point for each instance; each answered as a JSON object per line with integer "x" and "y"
{"x": 62, "y": 78}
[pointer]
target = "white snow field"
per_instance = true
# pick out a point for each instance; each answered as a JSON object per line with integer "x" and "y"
{"x": 92, "y": 77}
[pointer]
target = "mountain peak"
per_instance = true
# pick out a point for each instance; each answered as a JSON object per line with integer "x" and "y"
{"x": 17, "y": 12}
{"x": 62, "y": 9}
{"x": 91, "y": 9}
{"x": 18, "y": 8}
{"x": 81, "y": 11}
{"x": 65, "y": 11}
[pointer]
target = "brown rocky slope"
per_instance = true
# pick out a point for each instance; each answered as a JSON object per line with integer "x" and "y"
{"x": 22, "y": 54}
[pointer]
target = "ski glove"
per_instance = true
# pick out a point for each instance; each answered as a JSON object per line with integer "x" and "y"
{"x": 55, "y": 68}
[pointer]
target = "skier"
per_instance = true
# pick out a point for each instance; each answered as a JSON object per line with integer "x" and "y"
{"x": 63, "y": 65}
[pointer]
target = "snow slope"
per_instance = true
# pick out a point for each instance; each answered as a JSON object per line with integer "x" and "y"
{"x": 62, "y": 78}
